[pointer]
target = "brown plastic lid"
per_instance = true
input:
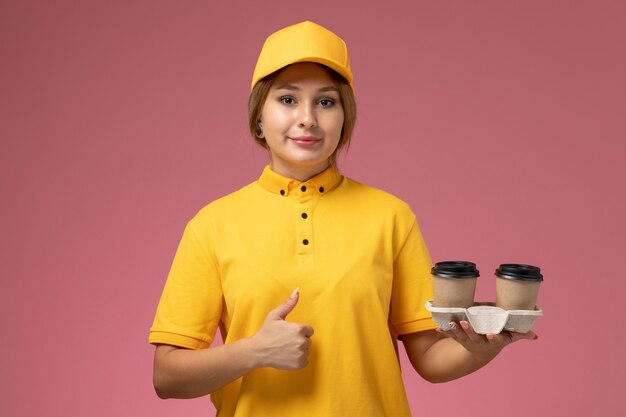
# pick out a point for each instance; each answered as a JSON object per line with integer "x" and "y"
{"x": 455, "y": 269}
{"x": 519, "y": 272}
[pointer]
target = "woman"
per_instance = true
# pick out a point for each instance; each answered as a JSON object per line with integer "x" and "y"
{"x": 353, "y": 254}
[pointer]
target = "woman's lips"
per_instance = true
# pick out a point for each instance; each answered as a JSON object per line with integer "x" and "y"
{"x": 306, "y": 141}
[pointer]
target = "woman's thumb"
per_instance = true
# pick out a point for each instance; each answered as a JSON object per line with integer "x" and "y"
{"x": 285, "y": 308}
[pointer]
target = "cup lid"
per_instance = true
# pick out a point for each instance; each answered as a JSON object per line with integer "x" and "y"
{"x": 455, "y": 269}
{"x": 520, "y": 272}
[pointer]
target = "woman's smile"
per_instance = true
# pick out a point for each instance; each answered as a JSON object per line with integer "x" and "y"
{"x": 306, "y": 141}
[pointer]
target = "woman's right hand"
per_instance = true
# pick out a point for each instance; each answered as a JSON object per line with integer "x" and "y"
{"x": 189, "y": 373}
{"x": 282, "y": 344}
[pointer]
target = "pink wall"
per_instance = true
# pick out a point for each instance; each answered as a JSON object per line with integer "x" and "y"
{"x": 502, "y": 123}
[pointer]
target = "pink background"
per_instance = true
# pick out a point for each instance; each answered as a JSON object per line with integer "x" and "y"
{"x": 502, "y": 123}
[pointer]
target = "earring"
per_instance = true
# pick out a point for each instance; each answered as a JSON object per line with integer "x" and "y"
{"x": 259, "y": 131}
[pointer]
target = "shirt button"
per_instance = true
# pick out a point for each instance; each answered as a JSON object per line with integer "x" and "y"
{"x": 303, "y": 188}
{"x": 321, "y": 189}
{"x": 282, "y": 192}
{"x": 305, "y": 242}
{"x": 304, "y": 215}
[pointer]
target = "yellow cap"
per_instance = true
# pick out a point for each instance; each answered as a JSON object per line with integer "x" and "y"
{"x": 303, "y": 42}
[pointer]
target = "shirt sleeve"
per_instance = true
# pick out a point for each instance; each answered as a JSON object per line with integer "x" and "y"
{"x": 412, "y": 285}
{"x": 191, "y": 303}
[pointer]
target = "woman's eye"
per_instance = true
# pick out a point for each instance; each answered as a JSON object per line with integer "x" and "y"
{"x": 326, "y": 102}
{"x": 287, "y": 100}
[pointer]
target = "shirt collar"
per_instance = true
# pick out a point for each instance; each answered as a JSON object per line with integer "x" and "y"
{"x": 322, "y": 183}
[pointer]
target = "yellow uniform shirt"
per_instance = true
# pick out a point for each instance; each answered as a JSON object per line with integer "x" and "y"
{"x": 359, "y": 259}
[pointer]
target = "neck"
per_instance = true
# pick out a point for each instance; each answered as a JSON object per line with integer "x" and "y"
{"x": 299, "y": 173}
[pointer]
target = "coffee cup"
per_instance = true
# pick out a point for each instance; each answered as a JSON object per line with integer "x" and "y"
{"x": 517, "y": 286}
{"x": 454, "y": 284}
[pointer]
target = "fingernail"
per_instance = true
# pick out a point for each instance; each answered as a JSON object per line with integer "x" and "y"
{"x": 294, "y": 293}
{"x": 464, "y": 325}
{"x": 490, "y": 336}
{"x": 536, "y": 337}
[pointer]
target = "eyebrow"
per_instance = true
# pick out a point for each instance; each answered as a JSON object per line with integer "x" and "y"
{"x": 292, "y": 87}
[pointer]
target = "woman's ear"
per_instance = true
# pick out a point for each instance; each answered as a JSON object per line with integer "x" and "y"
{"x": 259, "y": 130}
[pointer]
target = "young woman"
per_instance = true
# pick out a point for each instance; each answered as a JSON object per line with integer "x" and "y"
{"x": 311, "y": 277}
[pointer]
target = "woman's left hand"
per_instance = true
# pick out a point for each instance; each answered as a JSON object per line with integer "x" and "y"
{"x": 483, "y": 347}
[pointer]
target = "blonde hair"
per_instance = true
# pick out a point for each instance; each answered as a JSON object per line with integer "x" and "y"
{"x": 259, "y": 95}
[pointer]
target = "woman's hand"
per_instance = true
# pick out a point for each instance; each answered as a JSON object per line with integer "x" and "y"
{"x": 281, "y": 344}
{"x": 187, "y": 373}
{"x": 483, "y": 347}
{"x": 445, "y": 355}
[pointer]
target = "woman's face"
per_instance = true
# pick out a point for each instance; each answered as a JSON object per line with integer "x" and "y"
{"x": 302, "y": 118}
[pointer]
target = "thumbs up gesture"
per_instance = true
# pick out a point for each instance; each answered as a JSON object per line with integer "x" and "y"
{"x": 282, "y": 344}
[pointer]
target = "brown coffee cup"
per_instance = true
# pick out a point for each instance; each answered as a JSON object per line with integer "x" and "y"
{"x": 454, "y": 284}
{"x": 517, "y": 286}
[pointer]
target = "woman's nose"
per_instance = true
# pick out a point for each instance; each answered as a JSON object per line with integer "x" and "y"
{"x": 307, "y": 117}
